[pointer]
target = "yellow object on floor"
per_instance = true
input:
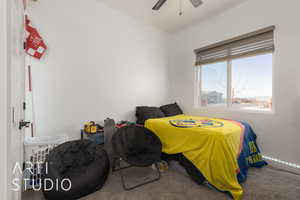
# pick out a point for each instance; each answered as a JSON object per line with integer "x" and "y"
{"x": 212, "y": 145}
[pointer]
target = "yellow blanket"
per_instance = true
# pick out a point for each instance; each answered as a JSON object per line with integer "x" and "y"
{"x": 212, "y": 145}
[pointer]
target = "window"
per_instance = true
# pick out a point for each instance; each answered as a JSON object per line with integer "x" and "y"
{"x": 214, "y": 84}
{"x": 252, "y": 83}
{"x": 237, "y": 73}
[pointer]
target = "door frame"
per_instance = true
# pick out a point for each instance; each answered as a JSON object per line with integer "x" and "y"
{"x": 5, "y": 113}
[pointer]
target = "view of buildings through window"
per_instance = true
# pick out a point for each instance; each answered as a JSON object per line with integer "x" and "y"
{"x": 251, "y": 83}
{"x": 214, "y": 84}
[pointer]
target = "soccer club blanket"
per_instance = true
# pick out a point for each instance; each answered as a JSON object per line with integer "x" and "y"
{"x": 221, "y": 149}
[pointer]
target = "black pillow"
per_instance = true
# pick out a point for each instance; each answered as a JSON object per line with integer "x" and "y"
{"x": 144, "y": 112}
{"x": 171, "y": 110}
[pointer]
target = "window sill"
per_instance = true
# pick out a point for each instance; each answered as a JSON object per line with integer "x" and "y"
{"x": 224, "y": 109}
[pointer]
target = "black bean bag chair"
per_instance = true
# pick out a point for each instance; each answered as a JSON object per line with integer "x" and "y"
{"x": 82, "y": 162}
{"x": 137, "y": 145}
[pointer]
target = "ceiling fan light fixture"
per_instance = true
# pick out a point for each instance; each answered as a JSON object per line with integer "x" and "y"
{"x": 196, "y": 3}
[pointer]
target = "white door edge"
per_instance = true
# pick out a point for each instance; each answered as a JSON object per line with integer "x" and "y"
{"x": 4, "y": 102}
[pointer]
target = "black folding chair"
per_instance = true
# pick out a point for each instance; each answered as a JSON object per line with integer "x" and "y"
{"x": 137, "y": 147}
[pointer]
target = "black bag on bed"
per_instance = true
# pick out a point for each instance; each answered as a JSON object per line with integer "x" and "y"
{"x": 144, "y": 112}
{"x": 171, "y": 110}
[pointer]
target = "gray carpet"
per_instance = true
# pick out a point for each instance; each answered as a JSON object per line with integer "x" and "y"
{"x": 262, "y": 184}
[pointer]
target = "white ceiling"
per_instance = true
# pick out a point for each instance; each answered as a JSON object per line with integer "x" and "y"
{"x": 167, "y": 18}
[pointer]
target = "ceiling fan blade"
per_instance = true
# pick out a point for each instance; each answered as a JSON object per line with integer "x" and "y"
{"x": 196, "y": 3}
{"x": 159, "y": 4}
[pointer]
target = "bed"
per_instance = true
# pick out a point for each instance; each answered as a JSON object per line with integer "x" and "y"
{"x": 222, "y": 150}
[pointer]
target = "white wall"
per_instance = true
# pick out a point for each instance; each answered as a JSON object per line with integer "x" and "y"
{"x": 278, "y": 133}
{"x": 100, "y": 63}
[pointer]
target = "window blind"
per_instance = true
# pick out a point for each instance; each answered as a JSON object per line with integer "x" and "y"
{"x": 258, "y": 42}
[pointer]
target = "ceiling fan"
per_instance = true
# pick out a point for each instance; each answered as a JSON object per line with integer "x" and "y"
{"x": 160, "y": 3}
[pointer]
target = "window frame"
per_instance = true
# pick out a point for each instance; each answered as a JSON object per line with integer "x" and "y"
{"x": 228, "y": 106}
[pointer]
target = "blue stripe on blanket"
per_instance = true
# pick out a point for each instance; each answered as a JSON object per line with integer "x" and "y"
{"x": 250, "y": 155}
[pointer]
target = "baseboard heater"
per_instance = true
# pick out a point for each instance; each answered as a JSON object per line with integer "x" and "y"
{"x": 291, "y": 167}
